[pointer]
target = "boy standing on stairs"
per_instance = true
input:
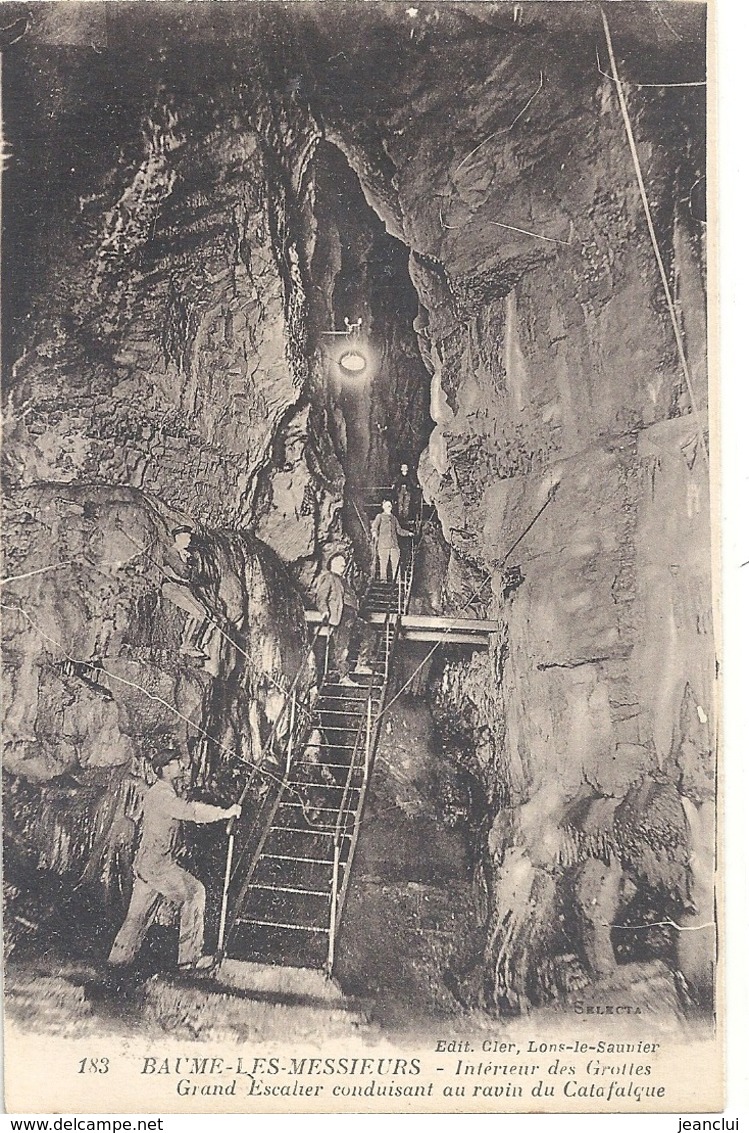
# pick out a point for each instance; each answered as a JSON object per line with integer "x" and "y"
{"x": 337, "y": 599}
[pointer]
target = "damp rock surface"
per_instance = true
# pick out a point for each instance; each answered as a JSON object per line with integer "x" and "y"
{"x": 459, "y": 178}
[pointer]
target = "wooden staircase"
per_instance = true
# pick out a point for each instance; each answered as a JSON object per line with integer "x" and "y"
{"x": 286, "y": 893}
{"x": 288, "y": 909}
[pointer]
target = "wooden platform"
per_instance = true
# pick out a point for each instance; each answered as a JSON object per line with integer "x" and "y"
{"x": 429, "y": 627}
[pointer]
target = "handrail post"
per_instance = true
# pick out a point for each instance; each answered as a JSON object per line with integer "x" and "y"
{"x": 225, "y": 892}
{"x": 292, "y": 725}
{"x": 333, "y": 909}
{"x": 368, "y": 740}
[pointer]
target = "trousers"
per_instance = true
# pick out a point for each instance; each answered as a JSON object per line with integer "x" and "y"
{"x": 390, "y": 555}
{"x": 176, "y": 885}
{"x": 341, "y": 641}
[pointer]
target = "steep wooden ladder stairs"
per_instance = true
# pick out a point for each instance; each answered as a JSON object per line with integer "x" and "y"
{"x": 285, "y": 904}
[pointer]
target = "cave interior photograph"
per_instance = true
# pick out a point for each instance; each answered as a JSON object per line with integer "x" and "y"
{"x": 358, "y": 647}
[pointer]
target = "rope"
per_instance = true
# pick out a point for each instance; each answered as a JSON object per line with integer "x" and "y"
{"x": 41, "y": 570}
{"x": 644, "y": 86}
{"x": 527, "y": 232}
{"x": 502, "y": 130}
{"x": 256, "y": 768}
{"x": 141, "y": 550}
{"x": 84, "y": 563}
{"x": 651, "y": 230}
{"x": 113, "y": 676}
{"x": 365, "y": 527}
{"x": 420, "y": 527}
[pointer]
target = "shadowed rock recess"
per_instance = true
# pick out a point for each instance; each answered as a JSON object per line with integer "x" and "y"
{"x": 193, "y": 197}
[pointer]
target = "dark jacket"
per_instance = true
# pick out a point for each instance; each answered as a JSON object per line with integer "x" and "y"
{"x": 333, "y": 593}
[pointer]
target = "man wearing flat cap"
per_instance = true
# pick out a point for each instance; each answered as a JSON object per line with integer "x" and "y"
{"x": 157, "y": 875}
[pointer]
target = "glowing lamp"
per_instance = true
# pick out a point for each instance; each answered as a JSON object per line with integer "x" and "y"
{"x": 353, "y": 362}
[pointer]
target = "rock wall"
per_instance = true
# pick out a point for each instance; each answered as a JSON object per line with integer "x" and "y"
{"x": 558, "y": 401}
{"x": 169, "y": 353}
{"x": 161, "y": 368}
{"x": 174, "y": 348}
{"x": 101, "y": 669}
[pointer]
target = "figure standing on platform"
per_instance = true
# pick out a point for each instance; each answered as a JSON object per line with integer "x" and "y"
{"x": 191, "y": 586}
{"x": 157, "y": 875}
{"x": 385, "y": 532}
{"x": 337, "y": 599}
{"x": 405, "y": 492}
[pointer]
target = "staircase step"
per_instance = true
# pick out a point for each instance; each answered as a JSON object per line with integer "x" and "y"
{"x": 344, "y": 766}
{"x": 312, "y": 874}
{"x": 334, "y": 747}
{"x": 322, "y": 786}
{"x": 290, "y": 858}
{"x": 291, "y": 889}
{"x": 297, "y": 820}
{"x": 337, "y": 698}
{"x": 340, "y": 711}
{"x": 301, "y": 831}
{"x": 362, "y": 686}
{"x": 320, "y": 829}
{"x": 313, "y": 806}
{"x": 280, "y": 924}
{"x": 334, "y": 680}
{"x": 289, "y": 908}
{"x": 301, "y": 819}
{"x": 274, "y": 906}
{"x": 300, "y": 844}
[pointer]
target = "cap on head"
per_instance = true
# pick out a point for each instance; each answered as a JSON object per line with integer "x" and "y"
{"x": 183, "y": 529}
{"x": 164, "y": 756}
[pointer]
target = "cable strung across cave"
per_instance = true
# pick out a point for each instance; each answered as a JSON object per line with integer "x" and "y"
{"x": 651, "y": 230}
{"x": 257, "y": 769}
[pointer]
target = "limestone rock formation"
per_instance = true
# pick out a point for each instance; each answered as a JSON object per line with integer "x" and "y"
{"x": 101, "y": 669}
{"x": 459, "y": 177}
